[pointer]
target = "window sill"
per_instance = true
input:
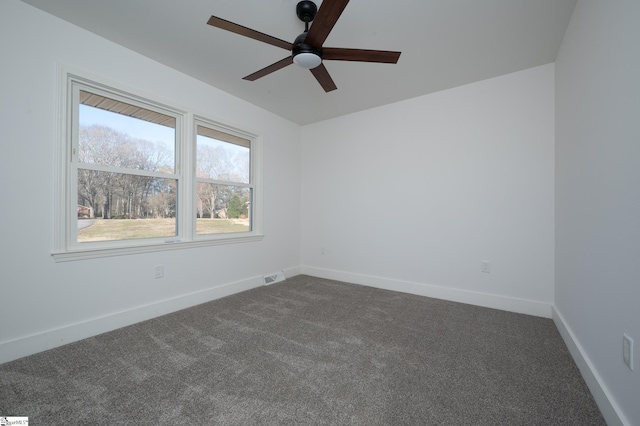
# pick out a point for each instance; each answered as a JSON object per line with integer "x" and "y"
{"x": 68, "y": 256}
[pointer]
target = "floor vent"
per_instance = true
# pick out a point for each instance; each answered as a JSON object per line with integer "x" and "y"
{"x": 274, "y": 278}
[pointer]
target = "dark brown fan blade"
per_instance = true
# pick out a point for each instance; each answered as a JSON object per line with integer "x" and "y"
{"x": 268, "y": 70}
{"x": 248, "y": 32}
{"x": 326, "y": 18}
{"x": 360, "y": 55}
{"x": 322, "y": 75}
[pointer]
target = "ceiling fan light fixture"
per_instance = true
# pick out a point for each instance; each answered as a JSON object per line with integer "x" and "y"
{"x": 309, "y": 54}
{"x": 307, "y": 60}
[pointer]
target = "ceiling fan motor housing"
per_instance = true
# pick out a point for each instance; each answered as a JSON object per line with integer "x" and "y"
{"x": 304, "y": 54}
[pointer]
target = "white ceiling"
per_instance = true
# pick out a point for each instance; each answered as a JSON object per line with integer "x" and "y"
{"x": 444, "y": 44}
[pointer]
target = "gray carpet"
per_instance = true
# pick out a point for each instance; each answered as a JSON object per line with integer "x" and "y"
{"x": 309, "y": 351}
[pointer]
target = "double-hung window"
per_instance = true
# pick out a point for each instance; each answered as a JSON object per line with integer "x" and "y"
{"x": 136, "y": 175}
{"x": 223, "y": 181}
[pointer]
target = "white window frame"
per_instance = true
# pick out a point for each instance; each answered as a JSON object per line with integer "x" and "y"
{"x": 66, "y": 247}
{"x": 202, "y": 121}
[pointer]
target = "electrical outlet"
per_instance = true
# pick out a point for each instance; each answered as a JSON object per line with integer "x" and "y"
{"x": 627, "y": 351}
{"x": 323, "y": 251}
{"x": 159, "y": 271}
{"x": 485, "y": 266}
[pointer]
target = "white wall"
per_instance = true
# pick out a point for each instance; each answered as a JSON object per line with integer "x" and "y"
{"x": 412, "y": 196}
{"x": 598, "y": 199}
{"x": 45, "y": 304}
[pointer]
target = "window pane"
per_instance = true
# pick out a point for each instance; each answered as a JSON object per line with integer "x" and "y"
{"x": 117, "y": 134}
{"x": 222, "y": 156}
{"x": 118, "y": 206}
{"x": 223, "y": 209}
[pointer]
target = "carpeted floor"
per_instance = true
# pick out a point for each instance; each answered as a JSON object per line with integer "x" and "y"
{"x": 309, "y": 351}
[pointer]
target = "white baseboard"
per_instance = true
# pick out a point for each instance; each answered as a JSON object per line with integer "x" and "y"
{"x": 520, "y": 306}
{"x": 292, "y": 272}
{"x": 607, "y": 405}
{"x": 28, "y": 345}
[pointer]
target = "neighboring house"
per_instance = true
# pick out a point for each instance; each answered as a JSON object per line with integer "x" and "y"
{"x": 85, "y": 212}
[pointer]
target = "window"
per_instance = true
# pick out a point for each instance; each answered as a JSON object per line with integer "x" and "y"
{"x": 223, "y": 182}
{"x": 136, "y": 175}
{"x": 124, "y": 166}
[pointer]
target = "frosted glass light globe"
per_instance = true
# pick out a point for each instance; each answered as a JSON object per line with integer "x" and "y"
{"x": 307, "y": 60}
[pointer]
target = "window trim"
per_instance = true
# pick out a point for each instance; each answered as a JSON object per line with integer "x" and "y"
{"x": 66, "y": 249}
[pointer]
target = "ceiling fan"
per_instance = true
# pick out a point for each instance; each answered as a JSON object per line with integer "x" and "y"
{"x": 307, "y": 50}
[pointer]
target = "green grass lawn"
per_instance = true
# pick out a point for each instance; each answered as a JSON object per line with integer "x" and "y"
{"x": 124, "y": 229}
